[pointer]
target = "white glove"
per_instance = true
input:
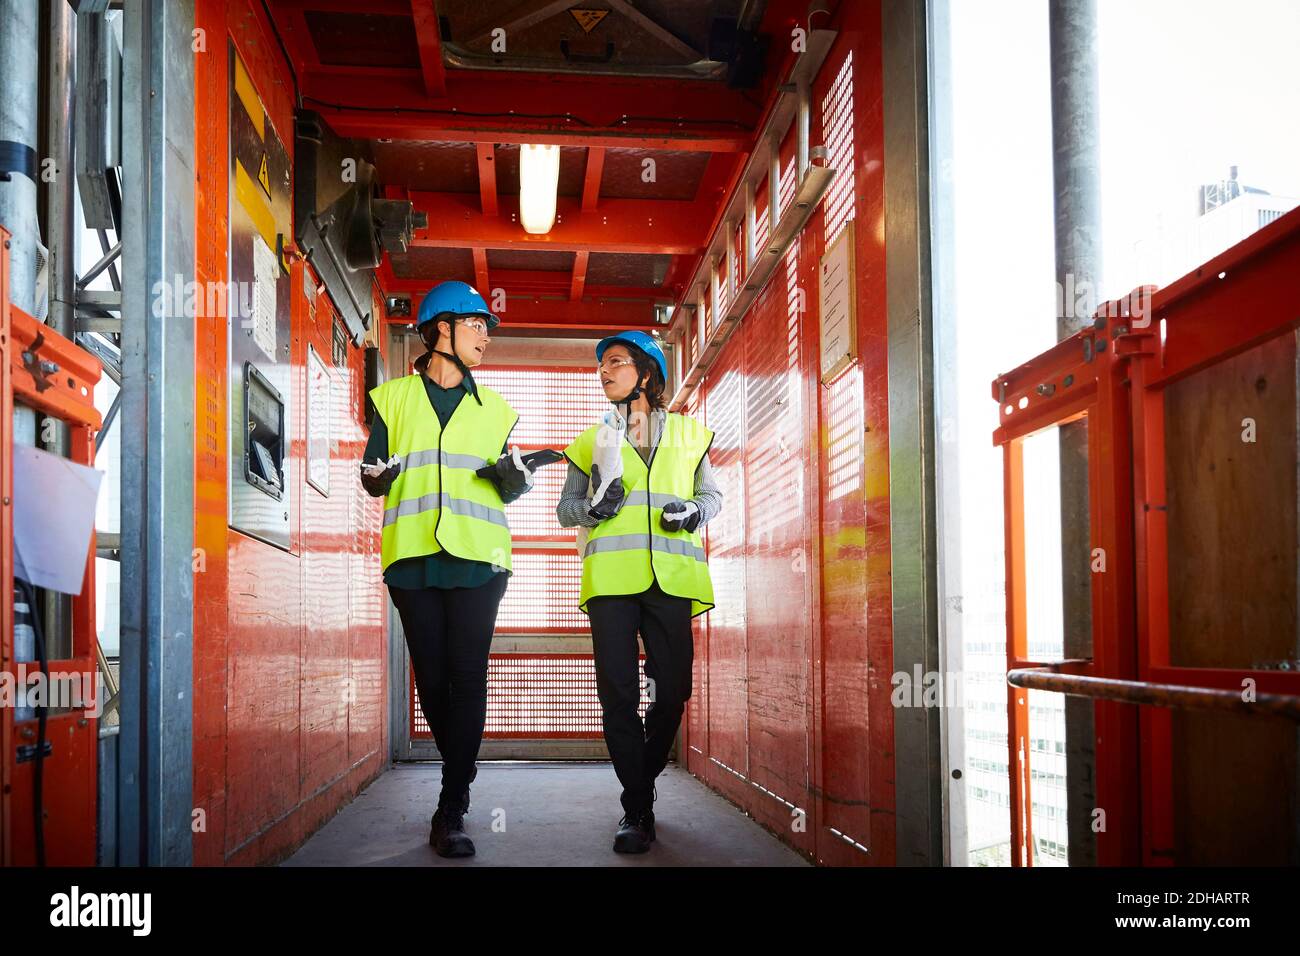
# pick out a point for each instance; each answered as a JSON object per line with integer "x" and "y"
{"x": 379, "y": 467}
{"x": 608, "y": 453}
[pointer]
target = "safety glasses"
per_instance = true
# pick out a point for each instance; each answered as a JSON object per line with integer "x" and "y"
{"x": 613, "y": 364}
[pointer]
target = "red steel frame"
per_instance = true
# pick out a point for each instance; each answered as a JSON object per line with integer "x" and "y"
{"x": 70, "y": 782}
{"x": 1247, "y": 295}
{"x": 1114, "y": 375}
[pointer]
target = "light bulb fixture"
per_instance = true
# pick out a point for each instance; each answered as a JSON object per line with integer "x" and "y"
{"x": 539, "y": 178}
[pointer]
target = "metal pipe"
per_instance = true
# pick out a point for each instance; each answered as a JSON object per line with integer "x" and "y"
{"x": 802, "y": 123}
{"x": 109, "y": 417}
{"x": 751, "y": 228}
{"x": 1174, "y": 696}
{"x": 93, "y": 273}
{"x": 1076, "y": 174}
{"x": 773, "y": 187}
{"x": 18, "y": 113}
{"x": 60, "y": 216}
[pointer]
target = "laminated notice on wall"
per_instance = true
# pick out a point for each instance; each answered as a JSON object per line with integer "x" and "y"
{"x": 266, "y": 270}
{"x": 319, "y": 404}
{"x": 837, "y": 302}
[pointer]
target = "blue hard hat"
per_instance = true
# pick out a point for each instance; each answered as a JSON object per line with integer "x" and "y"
{"x": 646, "y": 342}
{"x": 456, "y": 298}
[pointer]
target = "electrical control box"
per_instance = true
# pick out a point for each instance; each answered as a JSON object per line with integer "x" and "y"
{"x": 261, "y": 413}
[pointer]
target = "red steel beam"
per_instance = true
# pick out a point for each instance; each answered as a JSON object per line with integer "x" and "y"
{"x": 646, "y": 226}
{"x": 481, "y": 269}
{"x": 591, "y": 181}
{"x": 579, "y": 276}
{"x": 529, "y": 283}
{"x": 563, "y": 313}
{"x": 430, "y": 45}
{"x": 487, "y": 178}
{"x": 508, "y": 107}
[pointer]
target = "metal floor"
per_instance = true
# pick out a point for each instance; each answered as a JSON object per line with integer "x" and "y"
{"x": 549, "y": 814}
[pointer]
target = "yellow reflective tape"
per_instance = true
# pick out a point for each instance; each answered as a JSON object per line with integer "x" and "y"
{"x": 254, "y": 201}
{"x": 247, "y": 94}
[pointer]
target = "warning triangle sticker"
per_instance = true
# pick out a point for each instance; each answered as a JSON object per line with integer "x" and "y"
{"x": 588, "y": 19}
{"x": 264, "y": 176}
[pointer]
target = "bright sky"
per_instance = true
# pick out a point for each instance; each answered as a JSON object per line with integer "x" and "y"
{"x": 1188, "y": 89}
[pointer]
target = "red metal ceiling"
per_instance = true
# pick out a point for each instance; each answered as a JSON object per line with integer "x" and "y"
{"x": 363, "y": 39}
{"x": 429, "y": 262}
{"x": 377, "y": 71}
{"x": 611, "y": 268}
{"x": 675, "y": 174}
{"x": 544, "y": 260}
{"x": 438, "y": 167}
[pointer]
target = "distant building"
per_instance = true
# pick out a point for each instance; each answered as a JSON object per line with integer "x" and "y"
{"x": 1227, "y": 212}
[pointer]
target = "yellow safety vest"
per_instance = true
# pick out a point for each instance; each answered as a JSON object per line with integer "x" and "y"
{"x": 437, "y": 503}
{"x": 625, "y": 554}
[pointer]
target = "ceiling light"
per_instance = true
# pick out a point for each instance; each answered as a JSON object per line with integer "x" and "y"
{"x": 539, "y": 177}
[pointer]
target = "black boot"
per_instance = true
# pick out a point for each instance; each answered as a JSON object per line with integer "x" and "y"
{"x": 447, "y": 832}
{"x": 636, "y": 831}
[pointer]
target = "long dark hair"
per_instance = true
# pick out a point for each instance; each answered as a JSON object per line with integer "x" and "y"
{"x": 645, "y": 365}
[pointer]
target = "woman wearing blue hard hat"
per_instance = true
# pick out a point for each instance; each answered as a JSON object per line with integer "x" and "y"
{"x": 639, "y": 483}
{"x": 445, "y": 543}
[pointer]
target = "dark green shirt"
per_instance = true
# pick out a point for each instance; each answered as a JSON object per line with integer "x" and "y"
{"x": 440, "y": 569}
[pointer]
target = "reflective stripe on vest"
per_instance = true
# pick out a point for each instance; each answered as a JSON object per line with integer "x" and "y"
{"x": 437, "y": 503}
{"x": 629, "y": 552}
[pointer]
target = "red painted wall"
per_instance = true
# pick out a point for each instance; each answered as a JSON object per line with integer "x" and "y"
{"x": 790, "y": 717}
{"x": 290, "y": 657}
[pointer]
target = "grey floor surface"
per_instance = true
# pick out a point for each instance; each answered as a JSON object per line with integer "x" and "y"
{"x": 539, "y": 814}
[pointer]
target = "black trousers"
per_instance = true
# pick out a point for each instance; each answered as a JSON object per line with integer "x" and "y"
{"x": 640, "y": 751}
{"x": 449, "y": 634}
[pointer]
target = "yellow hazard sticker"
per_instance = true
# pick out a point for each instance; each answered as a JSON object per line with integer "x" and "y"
{"x": 264, "y": 175}
{"x": 588, "y": 19}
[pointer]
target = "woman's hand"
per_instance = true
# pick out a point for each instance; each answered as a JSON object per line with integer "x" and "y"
{"x": 680, "y": 516}
{"x": 512, "y": 473}
{"x": 378, "y": 476}
{"x": 609, "y": 495}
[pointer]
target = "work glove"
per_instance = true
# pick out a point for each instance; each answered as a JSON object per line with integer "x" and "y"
{"x": 607, "y": 457}
{"x": 680, "y": 516}
{"x": 513, "y": 476}
{"x": 605, "y": 504}
{"x": 378, "y": 477}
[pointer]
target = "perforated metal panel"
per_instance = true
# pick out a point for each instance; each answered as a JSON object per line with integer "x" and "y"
{"x": 539, "y": 696}
{"x": 543, "y": 594}
{"x": 554, "y": 404}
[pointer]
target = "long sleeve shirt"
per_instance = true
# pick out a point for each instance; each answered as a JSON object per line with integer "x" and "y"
{"x": 440, "y": 569}
{"x": 574, "y": 503}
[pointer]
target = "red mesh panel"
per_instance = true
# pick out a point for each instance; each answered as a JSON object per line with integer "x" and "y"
{"x": 555, "y": 405}
{"x": 538, "y": 695}
{"x": 532, "y": 517}
{"x": 543, "y": 594}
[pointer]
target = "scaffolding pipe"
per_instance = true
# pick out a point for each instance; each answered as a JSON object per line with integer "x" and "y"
{"x": 1076, "y": 178}
{"x": 18, "y": 90}
{"x": 60, "y": 218}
